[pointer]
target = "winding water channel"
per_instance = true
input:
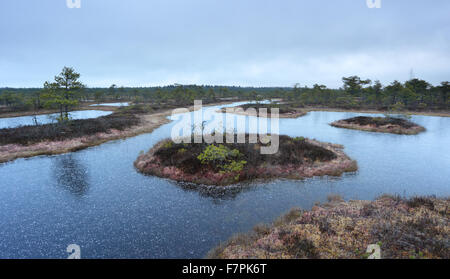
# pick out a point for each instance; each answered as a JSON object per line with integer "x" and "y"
{"x": 96, "y": 199}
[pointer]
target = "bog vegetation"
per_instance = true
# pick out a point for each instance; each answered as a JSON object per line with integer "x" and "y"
{"x": 403, "y": 229}
{"x": 235, "y": 157}
{"x": 388, "y": 124}
{"x": 62, "y": 130}
{"x": 380, "y": 121}
{"x": 282, "y": 108}
{"x": 67, "y": 91}
{"x": 227, "y": 163}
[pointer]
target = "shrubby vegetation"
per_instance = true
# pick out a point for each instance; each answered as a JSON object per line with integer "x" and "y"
{"x": 197, "y": 157}
{"x": 380, "y": 121}
{"x": 70, "y": 129}
{"x": 228, "y": 163}
{"x": 257, "y": 109}
{"x": 416, "y": 228}
{"x": 356, "y": 93}
{"x": 413, "y": 95}
{"x": 283, "y": 108}
{"x": 387, "y": 124}
{"x": 222, "y": 159}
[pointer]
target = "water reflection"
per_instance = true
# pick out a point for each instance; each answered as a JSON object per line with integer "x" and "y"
{"x": 71, "y": 175}
{"x": 218, "y": 194}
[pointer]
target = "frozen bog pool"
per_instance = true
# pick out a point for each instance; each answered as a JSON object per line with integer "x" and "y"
{"x": 96, "y": 199}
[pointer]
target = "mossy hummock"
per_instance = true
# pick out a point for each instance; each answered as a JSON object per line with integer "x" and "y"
{"x": 228, "y": 163}
{"x": 403, "y": 229}
{"x": 380, "y": 124}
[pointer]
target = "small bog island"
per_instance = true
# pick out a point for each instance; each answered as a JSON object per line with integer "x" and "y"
{"x": 285, "y": 110}
{"x": 380, "y": 124}
{"x": 228, "y": 163}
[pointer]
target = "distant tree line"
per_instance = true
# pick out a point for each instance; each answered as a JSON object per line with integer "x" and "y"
{"x": 66, "y": 92}
{"x": 414, "y": 94}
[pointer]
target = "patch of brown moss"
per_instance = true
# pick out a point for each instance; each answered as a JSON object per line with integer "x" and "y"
{"x": 404, "y": 229}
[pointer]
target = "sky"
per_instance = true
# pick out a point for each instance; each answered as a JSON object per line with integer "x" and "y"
{"x": 261, "y": 43}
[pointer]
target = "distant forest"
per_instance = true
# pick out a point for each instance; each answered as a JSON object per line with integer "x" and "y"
{"x": 356, "y": 93}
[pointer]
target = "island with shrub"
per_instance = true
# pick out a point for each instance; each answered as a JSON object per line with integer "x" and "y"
{"x": 255, "y": 109}
{"x": 388, "y": 124}
{"x": 415, "y": 228}
{"x": 228, "y": 163}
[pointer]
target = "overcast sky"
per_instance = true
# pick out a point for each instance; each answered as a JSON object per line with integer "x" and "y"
{"x": 223, "y": 42}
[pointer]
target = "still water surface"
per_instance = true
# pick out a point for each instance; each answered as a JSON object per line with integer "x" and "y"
{"x": 49, "y": 118}
{"x": 96, "y": 199}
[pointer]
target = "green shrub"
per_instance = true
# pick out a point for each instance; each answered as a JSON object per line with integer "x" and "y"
{"x": 213, "y": 153}
{"x": 234, "y": 166}
{"x": 299, "y": 139}
{"x": 168, "y": 144}
{"x": 234, "y": 153}
{"x": 222, "y": 158}
{"x": 217, "y": 154}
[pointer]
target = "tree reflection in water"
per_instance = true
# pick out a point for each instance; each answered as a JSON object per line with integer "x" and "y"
{"x": 71, "y": 175}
